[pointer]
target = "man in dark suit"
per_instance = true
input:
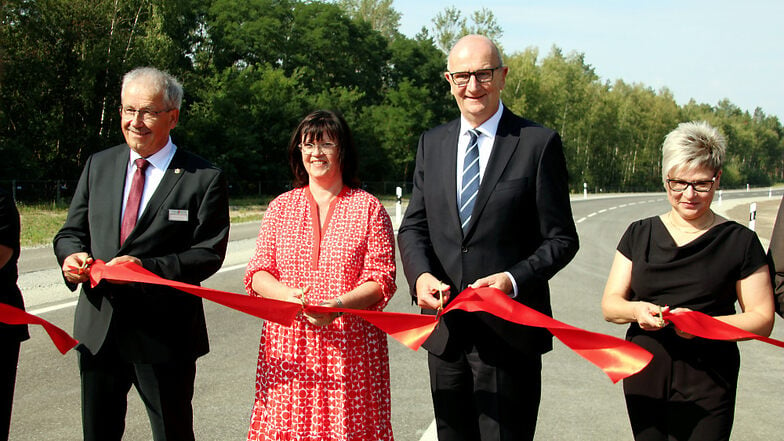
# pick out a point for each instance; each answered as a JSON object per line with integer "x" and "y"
{"x": 499, "y": 218}
{"x": 167, "y": 212}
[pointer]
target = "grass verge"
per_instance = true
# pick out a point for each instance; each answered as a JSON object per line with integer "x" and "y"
{"x": 40, "y": 222}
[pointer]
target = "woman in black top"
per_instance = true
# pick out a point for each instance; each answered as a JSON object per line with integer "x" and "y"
{"x": 10, "y": 336}
{"x": 687, "y": 259}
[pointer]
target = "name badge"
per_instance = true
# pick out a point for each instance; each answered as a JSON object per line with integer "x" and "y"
{"x": 178, "y": 215}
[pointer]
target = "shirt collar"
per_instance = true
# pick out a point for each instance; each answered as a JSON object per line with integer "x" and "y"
{"x": 159, "y": 159}
{"x": 487, "y": 128}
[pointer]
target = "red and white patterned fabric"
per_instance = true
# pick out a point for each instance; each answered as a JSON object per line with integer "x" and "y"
{"x": 332, "y": 382}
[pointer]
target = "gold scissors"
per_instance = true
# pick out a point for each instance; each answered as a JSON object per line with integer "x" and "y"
{"x": 440, "y": 296}
{"x": 83, "y": 267}
{"x": 303, "y": 297}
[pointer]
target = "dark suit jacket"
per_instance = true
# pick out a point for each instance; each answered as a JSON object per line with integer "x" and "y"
{"x": 522, "y": 223}
{"x": 149, "y": 323}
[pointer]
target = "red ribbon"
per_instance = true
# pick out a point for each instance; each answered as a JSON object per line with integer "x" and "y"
{"x": 409, "y": 329}
{"x": 616, "y": 357}
{"x": 267, "y": 309}
{"x": 15, "y": 316}
{"x": 702, "y": 325}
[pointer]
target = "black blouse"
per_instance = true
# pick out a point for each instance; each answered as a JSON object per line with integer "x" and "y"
{"x": 700, "y": 275}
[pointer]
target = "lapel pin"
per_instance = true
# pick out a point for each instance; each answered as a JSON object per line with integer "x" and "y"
{"x": 177, "y": 171}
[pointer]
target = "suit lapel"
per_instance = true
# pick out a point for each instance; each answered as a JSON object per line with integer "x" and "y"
{"x": 449, "y": 149}
{"x": 504, "y": 146}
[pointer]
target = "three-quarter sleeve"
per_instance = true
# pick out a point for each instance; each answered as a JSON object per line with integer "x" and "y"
{"x": 379, "y": 261}
{"x": 264, "y": 257}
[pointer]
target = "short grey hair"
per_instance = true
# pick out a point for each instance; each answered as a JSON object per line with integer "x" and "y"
{"x": 693, "y": 145}
{"x": 162, "y": 81}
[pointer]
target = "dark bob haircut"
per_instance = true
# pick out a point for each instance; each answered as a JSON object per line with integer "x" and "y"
{"x": 315, "y": 127}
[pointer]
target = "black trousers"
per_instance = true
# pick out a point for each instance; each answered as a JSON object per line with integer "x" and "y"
{"x": 9, "y": 358}
{"x": 165, "y": 388}
{"x": 485, "y": 392}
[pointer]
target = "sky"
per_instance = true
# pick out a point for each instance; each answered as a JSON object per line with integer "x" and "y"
{"x": 701, "y": 50}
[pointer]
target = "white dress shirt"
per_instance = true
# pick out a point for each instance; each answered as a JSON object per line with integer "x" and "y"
{"x": 486, "y": 140}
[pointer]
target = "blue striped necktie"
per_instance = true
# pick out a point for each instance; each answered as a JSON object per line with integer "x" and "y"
{"x": 470, "y": 178}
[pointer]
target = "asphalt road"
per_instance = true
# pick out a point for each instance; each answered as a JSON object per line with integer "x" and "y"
{"x": 579, "y": 402}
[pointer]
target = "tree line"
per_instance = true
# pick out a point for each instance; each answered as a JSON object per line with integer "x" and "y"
{"x": 253, "y": 68}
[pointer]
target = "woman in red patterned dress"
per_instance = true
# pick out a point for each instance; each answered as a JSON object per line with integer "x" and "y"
{"x": 325, "y": 242}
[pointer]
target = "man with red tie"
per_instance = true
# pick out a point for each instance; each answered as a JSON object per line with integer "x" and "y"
{"x": 154, "y": 204}
{"x": 489, "y": 208}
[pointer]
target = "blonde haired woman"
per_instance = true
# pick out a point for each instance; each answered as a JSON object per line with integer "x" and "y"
{"x": 687, "y": 258}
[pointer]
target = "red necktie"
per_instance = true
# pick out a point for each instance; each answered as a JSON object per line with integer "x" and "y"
{"x": 134, "y": 200}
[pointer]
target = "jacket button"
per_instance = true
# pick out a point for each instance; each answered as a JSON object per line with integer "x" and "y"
{"x": 464, "y": 250}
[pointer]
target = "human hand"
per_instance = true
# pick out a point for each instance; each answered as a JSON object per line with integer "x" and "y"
{"x": 299, "y": 296}
{"x": 498, "y": 280}
{"x": 431, "y": 292}
{"x": 323, "y": 318}
{"x": 680, "y": 333}
{"x": 122, "y": 259}
{"x": 81, "y": 263}
{"x": 649, "y": 316}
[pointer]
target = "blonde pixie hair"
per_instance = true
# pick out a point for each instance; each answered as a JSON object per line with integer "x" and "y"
{"x": 693, "y": 145}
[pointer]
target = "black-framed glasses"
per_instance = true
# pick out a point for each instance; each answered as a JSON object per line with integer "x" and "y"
{"x": 481, "y": 75}
{"x": 680, "y": 186}
{"x": 146, "y": 114}
{"x": 309, "y": 147}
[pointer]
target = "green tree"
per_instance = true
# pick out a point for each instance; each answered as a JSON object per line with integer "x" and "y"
{"x": 644, "y": 119}
{"x": 330, "y": 50}
{"x": 241, "y": 119}
{"x": 315, "y": 41}
{"x": 396, "y": 124}
{"x": 483, "y": 22}
{"x": 246, "y": 32}
{"x": 253, "y": 68}
{"x": 379, "y": 13}
{"x": 62, "y": 64}
{"x": 449, "y": 25}
{"x": 320, "y": 58}
{"x": 416, "y": 98}
{"x": 523, "y": 91}
{"x": 565, "y": 86}
{"x": 420, "y": 63}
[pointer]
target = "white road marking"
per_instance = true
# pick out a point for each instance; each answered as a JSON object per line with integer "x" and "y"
{"x": 430, "y": 434}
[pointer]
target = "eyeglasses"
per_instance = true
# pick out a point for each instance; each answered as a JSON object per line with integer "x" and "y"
{"x": 482, "y": 76}
{"x": 679, "y": 186}
{"x": 309, "y": 148}
{"x": 147, "y": 115}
